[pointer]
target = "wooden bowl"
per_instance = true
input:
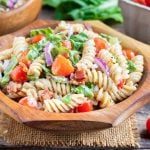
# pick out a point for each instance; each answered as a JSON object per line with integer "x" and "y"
{"x": 17, "y": 18}
{"x": 98, "y": 119}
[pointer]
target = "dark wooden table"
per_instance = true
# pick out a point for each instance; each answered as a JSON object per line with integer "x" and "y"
{"x": 142, "y": 114}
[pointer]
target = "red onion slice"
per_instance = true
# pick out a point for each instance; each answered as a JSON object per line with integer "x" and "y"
{"x": 100, "y": 62}
{"x": 48, "y": 56}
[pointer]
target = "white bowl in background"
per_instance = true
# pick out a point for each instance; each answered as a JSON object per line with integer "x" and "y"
{"x": 137, "y": 20}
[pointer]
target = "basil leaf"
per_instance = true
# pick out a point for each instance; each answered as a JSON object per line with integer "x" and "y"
{"x": 67, "y": 99}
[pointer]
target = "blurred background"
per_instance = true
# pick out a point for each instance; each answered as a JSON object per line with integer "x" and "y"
{"x": 129, "y": 16}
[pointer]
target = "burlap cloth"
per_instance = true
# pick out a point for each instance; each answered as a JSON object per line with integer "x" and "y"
{"x": 125, "y": 135}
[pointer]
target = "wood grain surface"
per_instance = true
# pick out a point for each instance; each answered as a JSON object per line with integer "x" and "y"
{"x": 103, "y": 118}
{"x": 17, "y": 18}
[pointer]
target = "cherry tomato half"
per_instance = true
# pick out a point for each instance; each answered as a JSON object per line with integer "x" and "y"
{"x": 85, "y": 107}
{"x": 18, "y": 74}
{"x": 37, "y": 38}
{"x": 129, "y": 54}
{"x": 148, "y": 125}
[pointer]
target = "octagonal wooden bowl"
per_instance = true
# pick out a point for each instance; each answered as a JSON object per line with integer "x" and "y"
{"x": 19, "y": 17}
{"x": 98, "y": 119}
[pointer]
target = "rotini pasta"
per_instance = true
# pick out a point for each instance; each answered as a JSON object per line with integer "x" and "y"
{"x": 69, "y": 69}
{"x": 88, "y": 55}
{"x": 19, "y": 45}
{"x": 59, "y": 88}
{"x": 35, "y": 68}
{"x": 57, "y": 105}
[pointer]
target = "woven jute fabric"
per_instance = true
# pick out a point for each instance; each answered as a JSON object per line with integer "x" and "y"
{"x": 125, "y": 135}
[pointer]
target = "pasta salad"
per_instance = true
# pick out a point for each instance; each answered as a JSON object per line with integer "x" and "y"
{"x": 7, "y": 5}
{"x": 69, "y": 69}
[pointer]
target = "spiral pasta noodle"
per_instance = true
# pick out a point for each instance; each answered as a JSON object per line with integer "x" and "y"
{"x": 6, "y": 54}
{"x": 99, "y": 78}
{"x": 29, "y": 89}
{"x": 88, "y": 55}
{"x": 56, "y": 105}
{"x": 123, "y": 93}
{"x": 115, "y": 69}
{"x": 36, "y": 67}
{"x": 58, "y": 88}
{"x": 19, "y": 45}
{"x": 117, "y": 52}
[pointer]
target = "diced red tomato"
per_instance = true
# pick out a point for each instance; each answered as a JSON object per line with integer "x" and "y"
{"x": 85, "y": 107}
{"x": 100, "y": 44}
{"x": 120, "y": 84}
{"x": 18, "y": 75}
{"x": 147, "y": 2}
{"x": 24, "y": 58}
{"x": 26, "y": 102}
{"x": 148, "y": 125}
{"x": 67, "y": 44}
{"x": 62, "y": 66}
{"x": 37, "y": 38}
{"x": 129, "y": 53}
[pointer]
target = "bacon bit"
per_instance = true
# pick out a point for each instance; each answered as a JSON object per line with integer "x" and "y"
{"x": 66, "y": 55}
{"x": 80, "y": 75}
{"x": 13, "y": 87}
{"x": 75, "y": 33}
{"x": 45, "y": 94}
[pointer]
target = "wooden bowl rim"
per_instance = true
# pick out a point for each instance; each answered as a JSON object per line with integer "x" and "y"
{"x": 17, "y": 10}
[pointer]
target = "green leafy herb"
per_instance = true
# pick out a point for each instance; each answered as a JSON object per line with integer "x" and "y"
{"x": 131, "y": 66}
{"x": 12, "y": 64}
{"x": 74, "y": 56}
{"x": 67, "y": 99}
{"x": 105, "y": 10}
{"x": 35, "y": 49}
{"x": 44, "y": 31}
{"x": 58, "y": 50}
{"x": 78, "y": 40}
{"x": 83, "y": 89}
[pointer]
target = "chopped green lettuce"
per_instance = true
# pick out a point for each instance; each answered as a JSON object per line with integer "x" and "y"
{"x": 83, "y": 89}
{"x": 131, "y": 66}
{"x": 78, "y": 40}
{"x": 44, "y": 31}
{"x": 12, "y": 64}
{"x": 66, "y": 99}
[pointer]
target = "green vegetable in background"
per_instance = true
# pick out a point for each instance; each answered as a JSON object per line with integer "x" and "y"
{"x": 78, "y": 40}
{"x": 105, "y": 10}
{"x": 12, "y": 64}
